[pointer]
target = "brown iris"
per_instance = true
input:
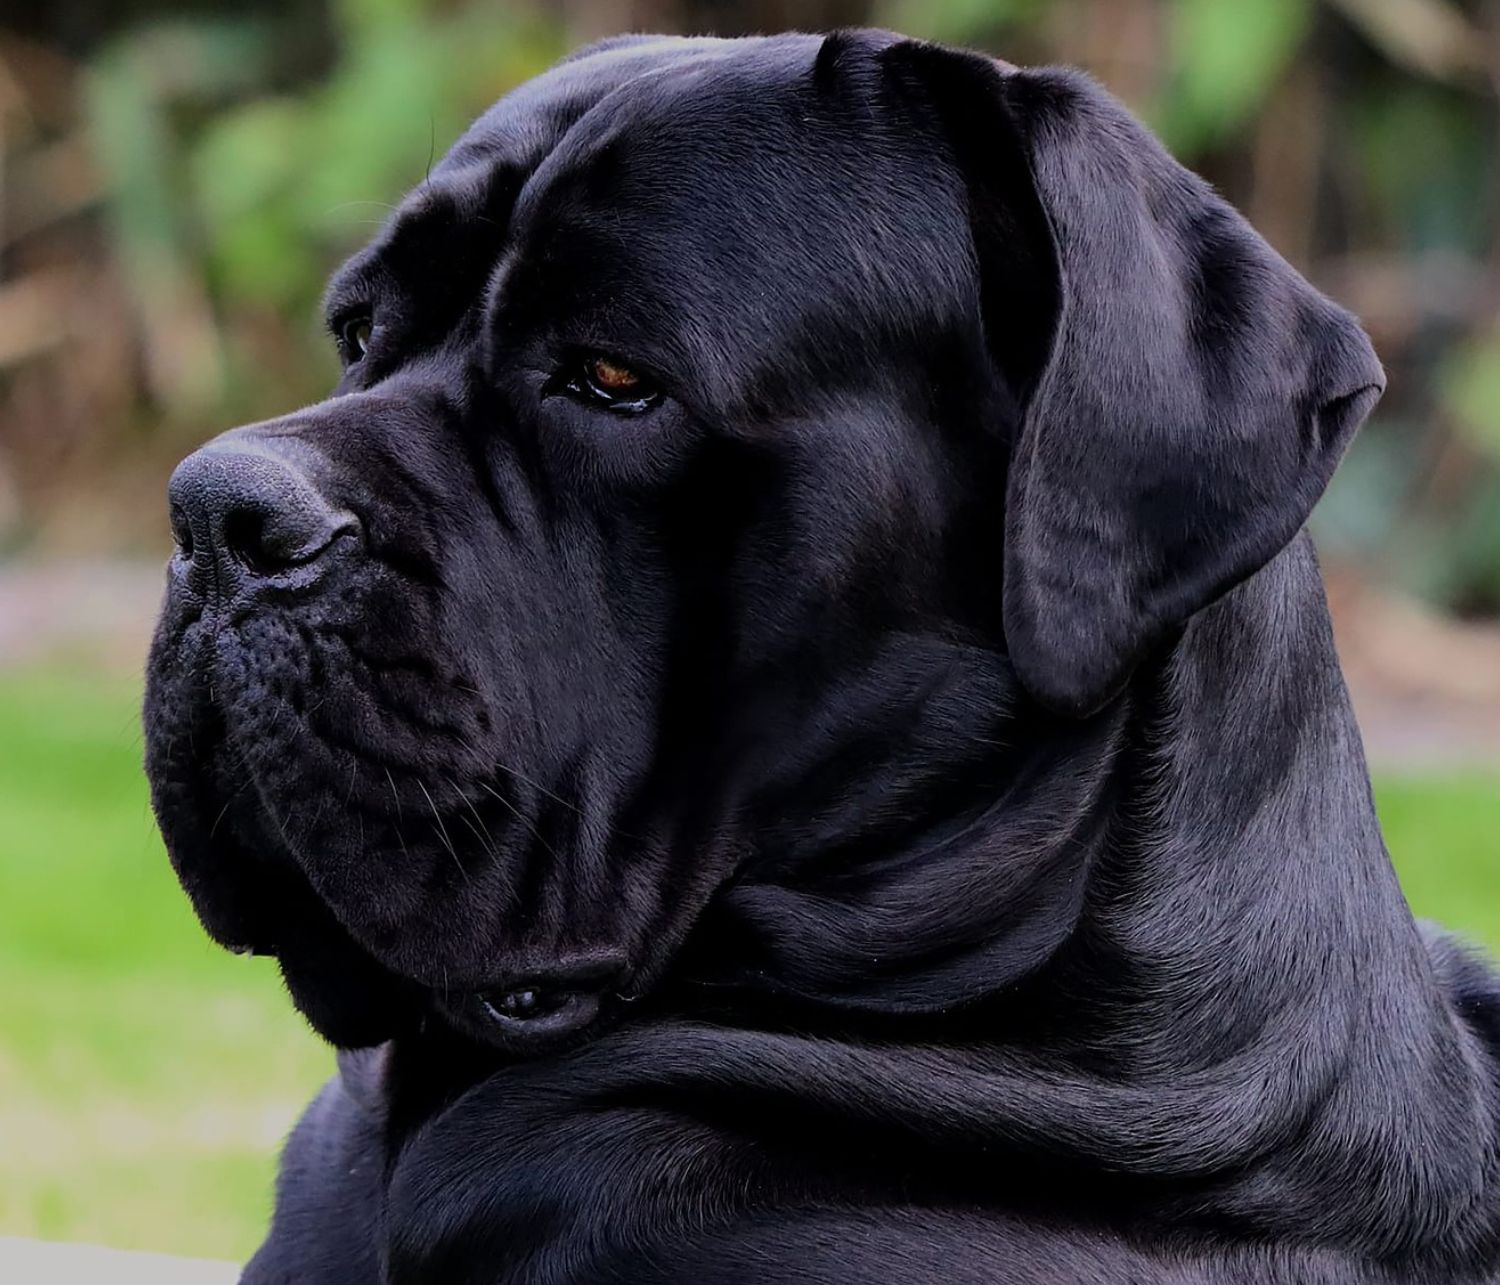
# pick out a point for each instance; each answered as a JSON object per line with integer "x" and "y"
{"x": 610, "y": 384}
{"x": 613, "y": 377}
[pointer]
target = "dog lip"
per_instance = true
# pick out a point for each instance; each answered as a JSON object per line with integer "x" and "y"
{"x": 530, "y": 1010}
{"x": 525, "y": 1004}
{"x": 554, "y": 1013}
{"x": 596, "y": 971}
{"x": 246, "y": 947}
{"x": 564, "y": 1019}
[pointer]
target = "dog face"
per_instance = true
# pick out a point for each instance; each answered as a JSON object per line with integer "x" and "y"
{"x": 707, "y": 409}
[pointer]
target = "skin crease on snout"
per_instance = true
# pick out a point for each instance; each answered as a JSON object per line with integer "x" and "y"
{"x": 782, "y": 718}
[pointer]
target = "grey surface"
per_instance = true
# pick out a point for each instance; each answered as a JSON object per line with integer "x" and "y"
{"x": 36, "y": 1262}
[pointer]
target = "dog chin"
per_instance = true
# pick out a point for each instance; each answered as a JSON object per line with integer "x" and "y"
{"x": 252, "y": 892}
{"x": 350, "y": 999}
{"x": 354, "y": 1001}
{"x": 348, "y": 996}
{"x": 251, "y": 897}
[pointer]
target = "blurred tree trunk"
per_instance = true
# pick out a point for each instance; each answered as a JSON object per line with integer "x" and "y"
{"x": 732, "y": 18}
{"x": 590, "y": 19}
{"x": 79, "y": 27}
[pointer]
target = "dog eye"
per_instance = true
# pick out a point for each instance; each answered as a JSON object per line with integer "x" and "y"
{"x": 353, "y": 337}
{"x": 607, "y": 382}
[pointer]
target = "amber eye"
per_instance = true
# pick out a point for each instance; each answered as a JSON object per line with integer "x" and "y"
{"x": 613, "y": 385}
{"x": 612, "y": 376}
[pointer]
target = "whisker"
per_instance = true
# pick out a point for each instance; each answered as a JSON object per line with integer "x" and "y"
{"x": 224, "y": 811}
{"x": 443, "y": 831}
{"x": 401, "y": 839}
{"x": 395, "y": 794}
{"x": 483, "y": 832}
{"x": 483, "y": 838}
{"x": 609, "y": 826}
{"x": 519, "y": 816}
{"x": 540, "y": 789}
{"x": 317, "y": 815}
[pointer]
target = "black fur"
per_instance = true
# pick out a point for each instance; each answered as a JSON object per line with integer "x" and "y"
{"x": 928, "y": 708}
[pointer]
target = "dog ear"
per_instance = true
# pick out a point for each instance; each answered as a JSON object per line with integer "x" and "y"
{"x": 1182, "y": 395}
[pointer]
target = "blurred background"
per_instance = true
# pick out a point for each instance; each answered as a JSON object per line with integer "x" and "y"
{"x": 177, "y": 177}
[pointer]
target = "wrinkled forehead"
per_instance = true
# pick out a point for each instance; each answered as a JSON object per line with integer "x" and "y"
{"x": 744, "y": 188}
{"x": 526, "y": 124}
{"x": 745, "y": 158}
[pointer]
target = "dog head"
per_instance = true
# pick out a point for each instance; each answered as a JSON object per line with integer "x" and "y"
{"x": 728, "y": 430}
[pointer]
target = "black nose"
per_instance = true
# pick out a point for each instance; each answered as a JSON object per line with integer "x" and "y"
{"x": 242, "y": 505}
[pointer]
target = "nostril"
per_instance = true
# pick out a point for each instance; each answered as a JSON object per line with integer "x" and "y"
{"x": 182, "y": 532}
{"x": 242, "y": 503}
{"x": 245, "y": 540}
{"x": 269, "y": 544}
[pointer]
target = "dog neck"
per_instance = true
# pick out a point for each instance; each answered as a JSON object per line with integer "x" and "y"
{"x": 1169, "y": 944}
{"x": 1248, "y": 941}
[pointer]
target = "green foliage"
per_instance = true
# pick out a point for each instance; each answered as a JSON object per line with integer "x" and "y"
{"x": 1472, "y": 385}
{"x": 285, "y": 184}
{"x": 958, "y": 22}
{"x": 1226, "y": 58}
{"x": 230, "y": 198}
{"x": 1427, "y": 161}
{"x": 239, "y": 158}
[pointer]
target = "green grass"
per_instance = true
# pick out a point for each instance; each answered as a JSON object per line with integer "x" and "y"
{"x": 147, "y": 1078}
{"x": 1444, "y": 835}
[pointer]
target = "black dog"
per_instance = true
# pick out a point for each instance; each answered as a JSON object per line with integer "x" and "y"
{"x": 785, "y": 694}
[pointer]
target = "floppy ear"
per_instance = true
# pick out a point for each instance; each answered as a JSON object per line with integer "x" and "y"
{"x": 1183, "y": 396}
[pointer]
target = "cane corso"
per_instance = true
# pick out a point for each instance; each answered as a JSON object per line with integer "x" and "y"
{"x": 782, "y": 719}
